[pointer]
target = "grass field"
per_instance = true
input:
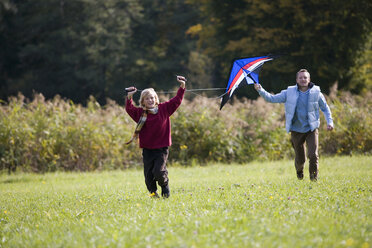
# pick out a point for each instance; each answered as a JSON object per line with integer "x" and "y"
{"x": 252, "y": 205}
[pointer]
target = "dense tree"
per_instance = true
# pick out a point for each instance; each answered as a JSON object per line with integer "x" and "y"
{"x": 96, "y": 47}
{"x": 8, "y": 55}
{"x": 327, "y": 37}
{"x": 72, "y": 48}
{"x": 160, "y": 43}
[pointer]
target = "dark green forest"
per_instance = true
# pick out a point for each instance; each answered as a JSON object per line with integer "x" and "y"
{"x": 82, "y": 48}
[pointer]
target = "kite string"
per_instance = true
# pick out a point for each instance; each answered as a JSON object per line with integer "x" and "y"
{"x": 193, "y": 91}
{"x": 220, "y": 96}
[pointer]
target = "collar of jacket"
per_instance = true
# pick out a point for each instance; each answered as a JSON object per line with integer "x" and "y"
{"x": 311, "y": 85}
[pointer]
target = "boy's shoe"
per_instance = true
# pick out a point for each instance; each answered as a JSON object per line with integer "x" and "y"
{"x": 165, "y": 192}
{"x": 300, "y": 175}
{"x": 154, "y": 195}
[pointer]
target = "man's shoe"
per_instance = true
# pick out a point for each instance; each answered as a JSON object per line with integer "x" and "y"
{"x": 314, "y": 176}
{"x": 165, "y": 192}
{"x": 300, "y": 175}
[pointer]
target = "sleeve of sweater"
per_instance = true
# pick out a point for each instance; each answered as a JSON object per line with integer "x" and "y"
{"x": 134, "y": 112}
{"x": 175, "y": 102}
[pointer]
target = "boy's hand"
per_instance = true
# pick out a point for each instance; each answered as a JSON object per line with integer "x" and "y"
{"x": 329, "y": 127}
{"x": 182, "y": 80}
{"x": 131, "y": 91}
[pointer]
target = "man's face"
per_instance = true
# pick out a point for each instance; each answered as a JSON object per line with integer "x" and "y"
{"x": 149, "y": 101}
{"x": 303, "y": 79}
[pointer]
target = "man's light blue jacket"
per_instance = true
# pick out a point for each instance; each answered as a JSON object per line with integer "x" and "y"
{"x": 289, "y": 98}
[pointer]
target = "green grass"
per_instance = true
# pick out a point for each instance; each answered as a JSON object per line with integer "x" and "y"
{"x": 252, "y": 205}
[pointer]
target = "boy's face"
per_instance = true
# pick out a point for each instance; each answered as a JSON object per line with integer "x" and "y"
{"x": 303, "y": 79}
{"x": 149, "y": 101}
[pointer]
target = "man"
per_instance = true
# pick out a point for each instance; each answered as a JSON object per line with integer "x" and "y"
{"x": 302, "y": 102}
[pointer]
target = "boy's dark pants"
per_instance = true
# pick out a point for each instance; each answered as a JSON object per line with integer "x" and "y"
{"x": 155, "y": 168}
{"x": 298, "y": 143}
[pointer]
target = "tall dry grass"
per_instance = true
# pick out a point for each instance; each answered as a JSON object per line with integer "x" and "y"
{"x": 50, "y": 135}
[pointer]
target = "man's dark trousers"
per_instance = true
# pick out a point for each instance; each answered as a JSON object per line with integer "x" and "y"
{"x": 298, "y": 142}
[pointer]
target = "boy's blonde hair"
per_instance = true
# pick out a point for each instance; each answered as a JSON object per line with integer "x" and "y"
{"x": 145, "y": 93}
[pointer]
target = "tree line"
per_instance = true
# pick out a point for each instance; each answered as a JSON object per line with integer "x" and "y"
{"x": 84, "y": 48}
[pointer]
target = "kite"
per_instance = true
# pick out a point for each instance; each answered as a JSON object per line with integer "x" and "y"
{"x": 247, "y": 68}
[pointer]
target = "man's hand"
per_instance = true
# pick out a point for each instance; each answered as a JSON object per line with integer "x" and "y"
{"x": 329, "y": 127}
{"x": 182, "y": 80}
{"x": 131, "y": 91}
{"x": 257, "y": 86}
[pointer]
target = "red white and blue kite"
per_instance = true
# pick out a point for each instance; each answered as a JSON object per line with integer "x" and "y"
{"x": 245, "y": 68}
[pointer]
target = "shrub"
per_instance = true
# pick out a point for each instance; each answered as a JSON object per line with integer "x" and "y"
{"x": 50, "y": 135}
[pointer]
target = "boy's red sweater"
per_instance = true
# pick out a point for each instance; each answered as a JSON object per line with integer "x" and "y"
{"x": 156, "y": 132}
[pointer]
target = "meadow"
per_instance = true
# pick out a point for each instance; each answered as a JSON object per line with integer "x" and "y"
{"x": 258, "y": 204}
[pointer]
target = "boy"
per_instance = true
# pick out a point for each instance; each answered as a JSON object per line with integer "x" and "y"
{"x": 154, "y": 131}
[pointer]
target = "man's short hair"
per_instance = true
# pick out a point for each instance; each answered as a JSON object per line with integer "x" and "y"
{"x": 302, "y": 70}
